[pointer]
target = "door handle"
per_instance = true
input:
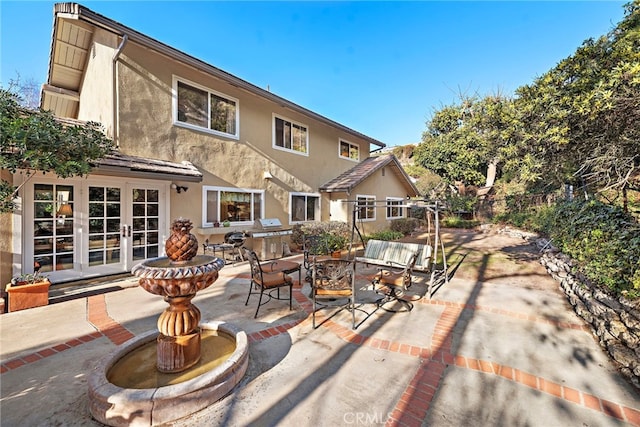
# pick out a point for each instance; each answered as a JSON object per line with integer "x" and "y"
{"x": 126, "y": 230}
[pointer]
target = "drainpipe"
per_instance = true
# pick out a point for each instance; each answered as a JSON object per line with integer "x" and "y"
{"x": 116, "y": 56}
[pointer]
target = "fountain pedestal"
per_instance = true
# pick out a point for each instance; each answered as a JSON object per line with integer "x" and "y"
{"x": 179, "y": 339}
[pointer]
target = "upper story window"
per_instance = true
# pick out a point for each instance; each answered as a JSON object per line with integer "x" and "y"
{"x": 304, "y": 207}
{"x": 291, "y": 136}
{"x": 204, "y": 109}
{"x": 236, "y": 205}
{"x": 347, "y": 150}
{"x": 394, "y": 208}
{"x": 366, "y": 207}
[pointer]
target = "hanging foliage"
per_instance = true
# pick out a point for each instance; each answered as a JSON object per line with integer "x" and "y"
{"x": 36, "y": 141}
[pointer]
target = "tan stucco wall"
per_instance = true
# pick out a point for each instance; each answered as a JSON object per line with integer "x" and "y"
{"x": 98, "y": 105}
{"x": 381, "y": 184}
{"x": 146, "y": 129}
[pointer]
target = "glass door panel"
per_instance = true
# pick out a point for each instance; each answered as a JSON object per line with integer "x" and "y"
{"x": 145, "y": 223}
{"x": 53, "y": 220}
{"x": 105, "y": 210}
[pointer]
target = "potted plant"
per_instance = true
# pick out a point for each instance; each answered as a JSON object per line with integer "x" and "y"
{"x": 28, "y": 290}
{"x": 335, "y": 243}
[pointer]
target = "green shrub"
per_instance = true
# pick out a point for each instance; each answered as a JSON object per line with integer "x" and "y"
{"x": 387, "y": 235}
{"x": 517, "y": 219}
{"x": 336, "y": 234}
{"x": 404, "y": 225}
{"x": 334, "y": 242}
{"x": 460, "y": 203}
{"x": 457, "y": 222}
{"x": 602, "y": 238}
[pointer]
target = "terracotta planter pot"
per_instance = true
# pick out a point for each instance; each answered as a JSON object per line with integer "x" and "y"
{"x": 29, "y": 295}
{"x": 336, "y": 254}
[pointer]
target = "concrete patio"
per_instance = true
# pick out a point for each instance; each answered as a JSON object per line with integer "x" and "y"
{"x": 497, "y": 345}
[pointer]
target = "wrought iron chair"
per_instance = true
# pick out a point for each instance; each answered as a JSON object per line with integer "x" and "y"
{"x": 393, "y": 283}
{"x": 314, "y": 247}
{"x": 332, "y": 285}
{"x": 266, "y": 281}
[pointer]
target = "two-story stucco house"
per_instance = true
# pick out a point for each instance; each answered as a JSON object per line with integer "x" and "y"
{"x": 192, "y": 141}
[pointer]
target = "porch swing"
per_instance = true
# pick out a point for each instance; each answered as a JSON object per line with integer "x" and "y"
{"x": 399, "y": 254}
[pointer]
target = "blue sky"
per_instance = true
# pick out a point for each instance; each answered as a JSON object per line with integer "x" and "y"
{"x": 381, "y": 68}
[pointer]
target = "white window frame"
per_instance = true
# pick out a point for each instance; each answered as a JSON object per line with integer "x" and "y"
{"x": 306, "y": 195}
{"x": 368, "y": 198}
{"x": 390, "y": 204}
{"x": 207, "y": 188}
{"x": 291, "y": 122}
{"x": 210, "y": 92}
{"x": 351, "y": 146}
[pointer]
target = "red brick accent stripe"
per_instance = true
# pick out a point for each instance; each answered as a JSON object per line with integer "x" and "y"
{"x": 20, "y": 361}
{"x": 98, "y": 316}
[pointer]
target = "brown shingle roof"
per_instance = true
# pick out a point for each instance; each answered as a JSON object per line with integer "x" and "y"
{"x": 348, "y": 180}
{"x": 120, "y": 164}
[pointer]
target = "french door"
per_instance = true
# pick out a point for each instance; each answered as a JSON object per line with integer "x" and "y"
{"x": 84, "y": 228}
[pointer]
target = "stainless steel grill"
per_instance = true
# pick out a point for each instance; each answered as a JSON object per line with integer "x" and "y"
{"x": 267, "y": 237}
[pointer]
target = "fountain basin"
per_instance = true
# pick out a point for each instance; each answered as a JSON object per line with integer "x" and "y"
{"x": 161, "y": 276}
{"x": 118, "y": 406}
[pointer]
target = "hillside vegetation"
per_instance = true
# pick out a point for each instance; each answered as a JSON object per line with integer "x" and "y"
{"x": 561, "y": 156}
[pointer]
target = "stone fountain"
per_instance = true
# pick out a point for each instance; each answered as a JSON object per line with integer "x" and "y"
{"x": 196, "y": 363}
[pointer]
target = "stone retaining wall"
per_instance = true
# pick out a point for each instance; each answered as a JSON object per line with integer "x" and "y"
{"x": 616, "y": 322}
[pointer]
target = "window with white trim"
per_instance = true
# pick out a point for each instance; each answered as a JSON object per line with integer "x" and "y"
{"x": 304, "y": 207}
{"x": 204, "y": 109}
{"x": 395, "y": 209}
{"x": 366, "y": 207}
{"x": 290, "y": 136}
{"x": 347, "y": 150}
{"x": 236, "y": 205}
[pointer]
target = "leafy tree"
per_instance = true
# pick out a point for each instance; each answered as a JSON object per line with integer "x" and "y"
{"x": 466, "y": 142}
{"x": 33, "y": 141}
{"x": 582, "y": 118}
{"x": 578, "y": 123}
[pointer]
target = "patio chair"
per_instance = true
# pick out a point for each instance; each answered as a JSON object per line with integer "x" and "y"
{"x": 333, "y": 285}
{"x": 314, "y": 247}
{"x": 266, "y": 281}
{"x": 393, "y": 282}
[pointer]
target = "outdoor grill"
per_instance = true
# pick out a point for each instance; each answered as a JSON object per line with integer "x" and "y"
{"x": 266, "y": 238}
{"x": 235, "y": 238}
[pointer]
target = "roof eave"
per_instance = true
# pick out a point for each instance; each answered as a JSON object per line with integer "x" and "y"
{"x": 110, "y": 25}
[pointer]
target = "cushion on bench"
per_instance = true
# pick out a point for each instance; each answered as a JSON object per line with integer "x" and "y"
{"x": 396, "y": 254}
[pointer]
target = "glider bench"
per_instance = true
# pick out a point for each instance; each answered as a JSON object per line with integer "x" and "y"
{"x": 384, "y": 253}
{"x": 397, "y": 254}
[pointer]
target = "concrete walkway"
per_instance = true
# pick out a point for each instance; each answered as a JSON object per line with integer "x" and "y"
{"x": 489, "y": 350}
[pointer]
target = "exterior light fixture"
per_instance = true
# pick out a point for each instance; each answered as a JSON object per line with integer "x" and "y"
{"x": 179, "y": 188}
